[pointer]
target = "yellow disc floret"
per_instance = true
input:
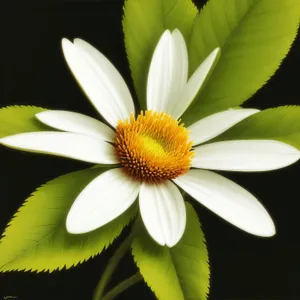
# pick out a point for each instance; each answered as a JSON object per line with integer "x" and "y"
{"x": 153, "y": 147}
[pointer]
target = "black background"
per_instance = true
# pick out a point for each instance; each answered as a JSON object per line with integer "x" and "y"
{"x": 33, "y": 72}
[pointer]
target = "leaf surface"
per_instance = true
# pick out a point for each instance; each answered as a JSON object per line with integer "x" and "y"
{"x": 19, "y": 119}
{"x": 281, "y": 123}
{"x": 143, "y": 24}
{"x": 177, "y": 273}
{"x": 36, "y": 238}
{"x": 254, "y": 37}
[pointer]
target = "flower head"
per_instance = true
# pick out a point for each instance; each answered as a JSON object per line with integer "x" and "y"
{"x": 153, "y": 147}
{"x": 151, "y": 153}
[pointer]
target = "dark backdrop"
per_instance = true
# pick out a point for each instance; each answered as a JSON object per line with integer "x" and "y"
{"x": 33, "y": 72}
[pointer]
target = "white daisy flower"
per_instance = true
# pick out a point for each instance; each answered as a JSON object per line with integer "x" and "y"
{"x": 152, "y": 153}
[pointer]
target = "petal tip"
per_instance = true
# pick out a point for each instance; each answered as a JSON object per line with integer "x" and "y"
{"x": 8, "y": 141}
{"x": 65, "y": 42}
{"x": 216, "y": 52}
{"x": 167, "y": 35}
{"x": 72, "y": 225}
{"x": 69, "y": 226}
{"x": 255, "y": 110}
{"x": 270, "y": 231}
{"x": 67, "y": 47}
{"x": 266, "y": 228}
{"x": 40, "y": 116}
{"x": 2, "y": 141}
{"x": 171, "y": 244}
{"x": 161, "y": 243}
{"x": 79, "y": 41}
{"x": 74, "y": 230}
{"x": 176, "y": 31}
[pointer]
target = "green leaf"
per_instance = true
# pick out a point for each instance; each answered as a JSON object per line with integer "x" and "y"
{"x": 143, "y": 24}
{"x": 178, "y": 273}
{"x": 36, "y": 238}
{"x": 281, "y": 124}
{"x": 254, "y": 37}
{"x": 19, "y": 119}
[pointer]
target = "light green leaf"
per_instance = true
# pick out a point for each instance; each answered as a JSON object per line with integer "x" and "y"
{"x": 178, "y": 273}
{"x": 143, "y": 24}
{"x": 281, "y": 124}
{"x": 254, "y": 37}
{"x": 19, "y": 119}
{"x": 36, "y": 238}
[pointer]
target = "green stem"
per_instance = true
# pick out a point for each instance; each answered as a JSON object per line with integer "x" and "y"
{"x": 111, "y": 266}
{"x": 122, "y": 286}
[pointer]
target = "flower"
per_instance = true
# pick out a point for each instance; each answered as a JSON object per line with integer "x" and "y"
{"x": 151, "y": 154}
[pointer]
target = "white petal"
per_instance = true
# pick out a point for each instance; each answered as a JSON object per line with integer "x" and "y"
{"x": 163, "y": 212}
{"x": 228, "y": 200}
{"x": 180, "y": 73}
{"x": 245, "y": 155}
{"x": 103, "y": 200}
{"x": 181, "y": 55}
{"x": 100, "y": 80}
{"x": 197, "y": 79}
{"x": 78, "y": 123}
{"x": 71, "y": 145}
{"x": 216, "y": 124}
{"x": 161, "y": 73}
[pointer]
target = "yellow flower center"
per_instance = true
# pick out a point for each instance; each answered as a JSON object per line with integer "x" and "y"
{"x": 153, "y": 147}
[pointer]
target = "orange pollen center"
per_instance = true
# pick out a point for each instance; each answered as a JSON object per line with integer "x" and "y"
{"x": 153, "y": 147}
